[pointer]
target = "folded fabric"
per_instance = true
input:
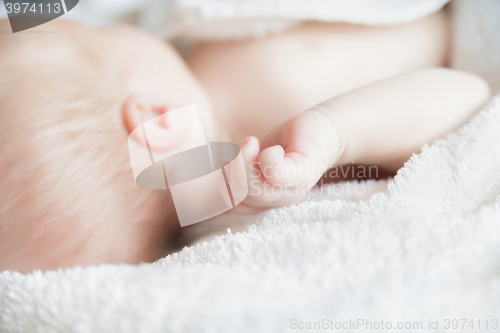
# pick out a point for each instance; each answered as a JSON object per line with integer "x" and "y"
{"x": 195, "y": 20}
{"x": 476, "y": 42}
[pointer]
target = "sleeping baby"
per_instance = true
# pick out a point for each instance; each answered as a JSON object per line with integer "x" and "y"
{"x": 312, "y": 97}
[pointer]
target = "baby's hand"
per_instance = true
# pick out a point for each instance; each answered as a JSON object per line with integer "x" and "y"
{"x": 381, "y": 124}
{"x": 288, "y": 163}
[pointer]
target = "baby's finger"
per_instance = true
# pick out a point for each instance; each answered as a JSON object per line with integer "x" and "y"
{"x": 250, "y": 149}
{"x": 260, "y": 192}
{"x": 292, "y": 169}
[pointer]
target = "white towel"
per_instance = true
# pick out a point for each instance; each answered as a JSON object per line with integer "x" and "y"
{"x": 427, "y": 249}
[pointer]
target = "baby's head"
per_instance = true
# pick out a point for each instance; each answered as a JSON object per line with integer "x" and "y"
{"x": 69, "y": 97}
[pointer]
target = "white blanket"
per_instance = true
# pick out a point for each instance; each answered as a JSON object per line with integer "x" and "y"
{"x": 194, "y": 20}
{"x": 425, "y": 250}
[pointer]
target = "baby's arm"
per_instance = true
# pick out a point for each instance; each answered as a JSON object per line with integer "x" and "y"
{"x": 381, "y": 124}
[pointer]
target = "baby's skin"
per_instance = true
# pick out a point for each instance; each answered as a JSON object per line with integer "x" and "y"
{"x": 330, "y": 94}
{"x": 300, "y": 102}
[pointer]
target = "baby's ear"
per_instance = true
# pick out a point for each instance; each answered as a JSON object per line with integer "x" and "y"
{"x": 162, "y": 133}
